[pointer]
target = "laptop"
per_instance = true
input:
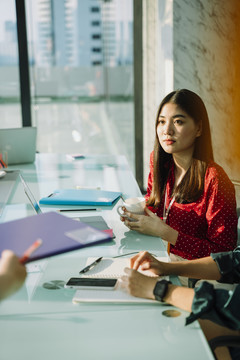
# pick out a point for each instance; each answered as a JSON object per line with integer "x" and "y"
{"x": 20, "y": 144}
{"x": 95, "y": 221}
{"x": 30, "y": 196}
{"x": 7, "y": 185}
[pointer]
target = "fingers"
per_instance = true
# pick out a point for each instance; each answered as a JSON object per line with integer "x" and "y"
{"x": 137, "y": 284}
{"x": 123, "y": 281}
{"x": 9, "y": 263}
{"x": 127, "y": 271}
{"x": 133, "y": 260}
{"x": 140, "y": 259}
{"x": 131, "y": 215}
{"x": 130, "y": 224}
{"x": 8, "y": 254}
{"x": 133, "y": 221}
{"x": 149, "y": 212}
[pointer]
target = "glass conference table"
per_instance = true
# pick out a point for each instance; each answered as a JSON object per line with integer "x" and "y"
{"x": 41, "y": 322}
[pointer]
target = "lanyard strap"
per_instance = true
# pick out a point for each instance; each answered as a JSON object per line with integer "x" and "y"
{"x": 166, "y": 211}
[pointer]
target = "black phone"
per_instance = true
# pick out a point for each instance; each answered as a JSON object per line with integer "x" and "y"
{"x": 91, "y": 283}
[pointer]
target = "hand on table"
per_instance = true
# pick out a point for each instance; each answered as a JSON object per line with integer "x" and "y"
{"x": 146, "y": 261}
{"x": 138, "y": 284}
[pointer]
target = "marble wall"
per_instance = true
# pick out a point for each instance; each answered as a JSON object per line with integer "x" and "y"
{"x": 206, "y": 53}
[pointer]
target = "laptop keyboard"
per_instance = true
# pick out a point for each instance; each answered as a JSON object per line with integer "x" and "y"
{"x": 7, "y": 184}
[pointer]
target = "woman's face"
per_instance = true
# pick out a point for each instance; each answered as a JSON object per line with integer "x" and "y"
{"x": 176, "y": 130}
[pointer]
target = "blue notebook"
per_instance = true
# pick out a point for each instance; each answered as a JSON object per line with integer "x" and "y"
{"x": 80, "y": 197}
{"x": 59, "y": 234}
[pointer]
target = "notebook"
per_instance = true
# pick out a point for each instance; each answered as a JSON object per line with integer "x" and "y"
{"x": 20, "y": 144}
{"x": 80, "y": 197}
{"x": 110, "y": 268}
{"x": 59, "y": 234}
{"x": 116, "y": 296}
{"x": 113, "y": 268}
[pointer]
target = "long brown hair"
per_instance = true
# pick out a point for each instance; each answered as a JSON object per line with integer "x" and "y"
{"x": 192, "y": 184}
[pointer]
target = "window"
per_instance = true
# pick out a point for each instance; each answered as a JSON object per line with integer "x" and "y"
{"x": 94, "y": 63}
{"x": 79, "y": 92}
{"x": 96, "y": 36}
{"x": 96, "y": 50}
{"x": 96, "y": 23}
{"x": 10, "y": 109}
{"x": 95, "y": 9}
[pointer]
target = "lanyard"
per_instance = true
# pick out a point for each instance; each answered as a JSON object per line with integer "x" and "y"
{"x": 166, "y": 211}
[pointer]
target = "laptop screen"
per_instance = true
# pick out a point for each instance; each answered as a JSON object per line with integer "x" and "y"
{"x": 30, "y": 196}
{"x": 19, "y": 143}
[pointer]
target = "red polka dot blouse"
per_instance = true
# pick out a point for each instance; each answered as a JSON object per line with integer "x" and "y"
{"x": 206, "y": 226}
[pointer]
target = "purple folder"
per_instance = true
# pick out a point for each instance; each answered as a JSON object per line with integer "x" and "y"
{"x": 59, "y": 234}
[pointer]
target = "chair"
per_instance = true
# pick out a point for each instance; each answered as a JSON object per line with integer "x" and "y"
{"x": 226, "y": 341}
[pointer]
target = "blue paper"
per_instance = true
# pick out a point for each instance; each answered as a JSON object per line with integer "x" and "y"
{"x": 81, "y": 197}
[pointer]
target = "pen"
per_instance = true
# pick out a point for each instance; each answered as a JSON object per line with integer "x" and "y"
{"x": 89, "y": 267}
{"x": 30, "y": 250}
{"x": 62, "y": 210}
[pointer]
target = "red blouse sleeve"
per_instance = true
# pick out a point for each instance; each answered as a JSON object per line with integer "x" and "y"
{"x": 221, "y": 218}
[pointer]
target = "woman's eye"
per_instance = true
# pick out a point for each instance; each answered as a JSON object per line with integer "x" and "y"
{"x": 178, "y": 122}
{"x": 161, "y": 121}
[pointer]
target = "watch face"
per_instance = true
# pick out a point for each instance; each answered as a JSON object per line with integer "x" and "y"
{"x": 160, "y": 289}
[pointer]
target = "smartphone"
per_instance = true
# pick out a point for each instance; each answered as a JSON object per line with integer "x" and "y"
{"x": 91, "y": 283}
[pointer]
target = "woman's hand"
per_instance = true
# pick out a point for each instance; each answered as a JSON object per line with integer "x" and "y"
{"x": 150, "y": 224}
{"x": 138, "y": 284}
{"x": 146, "y": 261}
{"x": 12, "y": 273}
{"x": 142, "y": 286}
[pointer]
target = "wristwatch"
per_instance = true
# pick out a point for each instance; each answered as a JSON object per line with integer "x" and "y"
{"x": 161, "y": 289}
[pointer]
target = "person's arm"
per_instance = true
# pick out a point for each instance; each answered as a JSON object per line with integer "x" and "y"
{"x": 205, "y": 268}
{"x": 220, "y": 306}
{"x": 140, "y": 285}
{"x": 12, "y": 274}
{"x": 228, "y": 264}
{"x": 221, "y": 218}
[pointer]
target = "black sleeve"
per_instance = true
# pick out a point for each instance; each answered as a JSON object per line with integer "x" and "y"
{"x": 229, "y": 265}
{"x": 218, "y": 305}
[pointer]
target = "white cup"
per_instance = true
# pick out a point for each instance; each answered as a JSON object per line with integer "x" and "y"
{"x": 134, "y": 205}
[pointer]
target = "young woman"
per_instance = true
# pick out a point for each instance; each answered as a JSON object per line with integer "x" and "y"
{"x": 192, "y": 196}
